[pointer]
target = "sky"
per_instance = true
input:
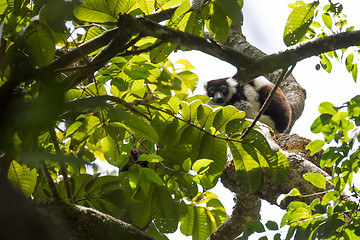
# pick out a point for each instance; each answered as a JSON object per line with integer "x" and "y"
{"x": 264, "y": 23}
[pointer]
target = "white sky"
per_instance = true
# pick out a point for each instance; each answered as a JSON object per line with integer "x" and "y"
{"x": 264, "y": 22}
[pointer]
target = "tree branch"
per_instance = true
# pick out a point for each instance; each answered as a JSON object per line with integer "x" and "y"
{"x": 63, "y": 167}
{"x": 167, "y": 34}
{"x": 304, "y": 50}
{"x": 247, "y": 207}
{"x": 80, "y": 222}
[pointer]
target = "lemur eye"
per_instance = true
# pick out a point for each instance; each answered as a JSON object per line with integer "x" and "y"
{"x": 223, "y": 89}
{"x": 211, "y": 92}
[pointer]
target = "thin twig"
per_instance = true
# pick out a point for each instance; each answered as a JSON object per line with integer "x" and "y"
{"x": 283, "y": 75}
{"x": 62, "y": 166}
{"x": 137, "y": 52}
{"x": 49, "y": 180}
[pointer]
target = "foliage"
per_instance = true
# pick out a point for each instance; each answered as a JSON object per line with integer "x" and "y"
{"x": 314, "y": 20}
{"x": 331, "y": 215}
{"x": 62, "y": 117}
{"x": 64, "y": 105}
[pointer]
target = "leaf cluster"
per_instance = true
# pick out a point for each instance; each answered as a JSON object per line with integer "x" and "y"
{"x": 331, "y": 215}
{"x": 65, "y": 105}
{"x": 313, "y": 20}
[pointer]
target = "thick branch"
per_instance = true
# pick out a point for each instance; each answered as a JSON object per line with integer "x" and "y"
{"x": 85, "y": 223}
{"x": 305, "y": 50}
{"x": 247, "y": 207}
{"x": 149, "y": 28}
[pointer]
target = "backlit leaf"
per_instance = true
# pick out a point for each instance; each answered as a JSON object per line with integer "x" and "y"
{"x": 201, "y": 165}
{"x": 140, "y": 208}
{"x": 164, "y": 211}
{"x": 22, "y": 178}
{"x": 40, "y": 46}
{"x": 316, "y": 179}
{"x": 94, "y": 11}
{"x": 138, "y": 125}
{"x": 248, "y": 168}
{"x": 299, "y": 21}
{"x": 315, "y": 146}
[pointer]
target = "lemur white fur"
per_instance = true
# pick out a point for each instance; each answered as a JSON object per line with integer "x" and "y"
{"x": 252, "y": 105}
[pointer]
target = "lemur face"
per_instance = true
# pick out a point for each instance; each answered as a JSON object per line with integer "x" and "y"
{"x": 218, "y": 90}
{"x": 221, "y": 90}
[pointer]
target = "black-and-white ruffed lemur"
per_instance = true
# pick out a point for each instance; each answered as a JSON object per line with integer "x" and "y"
{"x": 249, "y": 98}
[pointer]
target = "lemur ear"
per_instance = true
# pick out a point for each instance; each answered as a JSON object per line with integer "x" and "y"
{"x": 205, "y": 85}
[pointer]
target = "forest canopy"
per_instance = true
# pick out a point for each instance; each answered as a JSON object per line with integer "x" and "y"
{"x": 87, "y": 80}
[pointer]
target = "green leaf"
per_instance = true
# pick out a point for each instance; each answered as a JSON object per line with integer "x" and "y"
{"x": 133, "y": 175}
{"x": 195, "y": 25}
{"x": 204, "y": 113}
{"x": 164, "y": 211}
{"x": 293, "y": 192}
{"x": 299, "y": 21}
{"x": 95, "y": 11}
{"x": 188, "y": 222}
{"x": 316, "y": 179}
{"x": 134, "y": 123}
{"x": 224, "y": 115}
{"x": 189, "y": 81}
{"x": 349, "y": 62}
{"x": 354, "y": 71}
{"x": 330, "y": 196}
{"x": 327, "y": 20}
{"x": 255, "y": 225}
{"x": 160, "y": 53}
{"x": 202, "y": 165}
{"x": 354, "y": 107}
{"x": 140, "y": 208}
{"x": 88, "y": 103}
{"x": 271, "y": 225}
{"x": 89, "y": 125}
{"x": 209, "y": 147}
{"x": 279, "y": 166}
{"x": 3, "y": 6}
{"x": 202, "y": 224}
{"x": 39, "y": 46}
{"x": 187, "y": 165}
{"x": 123, "y": 6}
{"x": 110, "y": 149}
{"x": 219, "y": 24}
{"x": 153, "y": 158}
{"x": 73, "y": 127}
{"x": 180, "y": 16}
{"x": 153, "y": 231}
{"x": 22, "y": 178}
{"x": 189, "y": 111}
{"x": 147, "y": 6}
{"x": 320, "y": 122}
{"x": 100, "y": 185}
{"x": 137, "y": 72}
{"x": 325, "y": 63}
{"x": 315, "y": 146}
{"x": 152, "y": 176}
{"x": 232, "y": 8}
{"x": 248, "y": 168}
{"x": 327, "y": 108}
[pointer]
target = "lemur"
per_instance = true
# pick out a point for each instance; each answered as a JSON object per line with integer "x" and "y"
{"x": 249, "y": 98}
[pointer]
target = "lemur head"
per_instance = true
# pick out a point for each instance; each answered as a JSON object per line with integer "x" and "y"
{"x": 221, "y": 90}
